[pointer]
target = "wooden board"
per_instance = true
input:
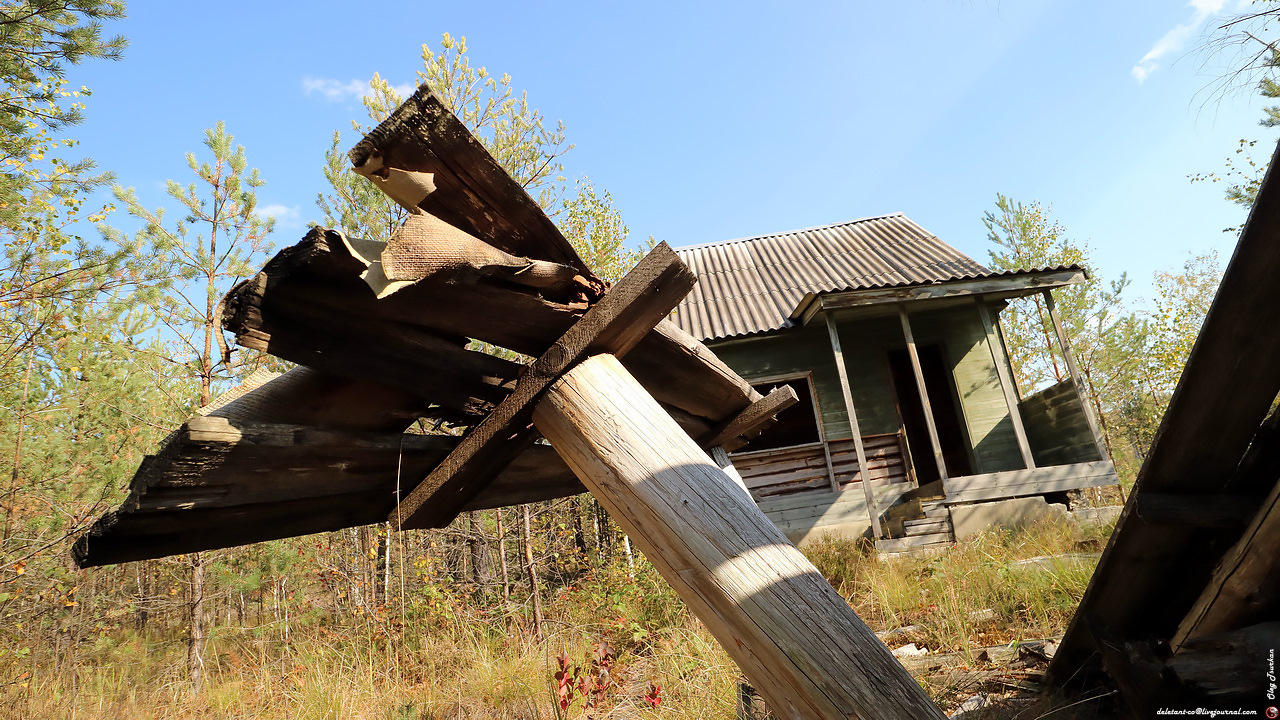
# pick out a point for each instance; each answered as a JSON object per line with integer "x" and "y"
{"x": 1036, "y": 481}
{"x": 613, "y": 325}
{"x": 473, "y": 192}
{"x": 310, "y": 296}
{"x": 218, "y": 483}
{"x": 1149, "y": 576}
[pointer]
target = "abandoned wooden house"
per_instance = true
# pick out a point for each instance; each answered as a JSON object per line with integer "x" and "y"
{"x": 891, "y": 339}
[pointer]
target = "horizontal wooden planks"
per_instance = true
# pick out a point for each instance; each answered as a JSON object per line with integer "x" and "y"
{"x": 770, "y": 473}
{"x": 806, "y": 515}
{"x": 1036, "y": 481}
{"x": 293, "y": 306}
{"x": 218, "y": 483}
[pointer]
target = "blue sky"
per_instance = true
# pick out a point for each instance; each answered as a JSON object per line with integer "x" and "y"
{"x": 712, "y": 121}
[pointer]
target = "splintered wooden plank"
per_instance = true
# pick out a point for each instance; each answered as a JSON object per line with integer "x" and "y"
{"x": 614, "y": 325}
{"x": 1149, "y": 576}
{"x": 264, "y": 315}
{"x": 473, "y": 192}
{"x": 220, "y": 482}
{"x": 318, "y": 278}
{"x": 303, "y": 396}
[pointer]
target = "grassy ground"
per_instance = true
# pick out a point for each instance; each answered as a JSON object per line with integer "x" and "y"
{"x": 452, "y": 660}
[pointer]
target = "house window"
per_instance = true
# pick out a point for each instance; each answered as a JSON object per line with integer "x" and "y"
{"x": 797, "y": 425}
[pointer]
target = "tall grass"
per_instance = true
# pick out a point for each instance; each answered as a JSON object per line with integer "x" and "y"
{"x": 453, "y": 659}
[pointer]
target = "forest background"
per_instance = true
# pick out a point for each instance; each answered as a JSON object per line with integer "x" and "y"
{"x": 109, "y": 339}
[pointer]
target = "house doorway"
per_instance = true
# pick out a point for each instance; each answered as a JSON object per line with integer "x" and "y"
{"x": 946, "y": 414}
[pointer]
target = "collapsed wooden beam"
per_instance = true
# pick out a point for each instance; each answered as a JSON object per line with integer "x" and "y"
{"x": 1245, "y": 587}
{"x": 1212, "y": 425}
{"x": 218, "y": 483}
{"x": 309, "y": 305}
{"x": 791, "y": 633}
{"x": 615, "y": 325}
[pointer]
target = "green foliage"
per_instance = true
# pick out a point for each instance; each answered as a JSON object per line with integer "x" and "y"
{"x": 1130, "y": 360}
{"x": 219, "y": 239}
{"x": 1025, "y": 237}
{"x": 595, "y": 227}
{"x": 1182, "y": 300}
{"x": 38, "y": 39}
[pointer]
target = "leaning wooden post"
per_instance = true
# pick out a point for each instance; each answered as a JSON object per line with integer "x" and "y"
{"x": 873, "y": 510}
{"x": 929, "y": 420}
{"x": 1076, "y": 378}
{"x": 794, "y": 637}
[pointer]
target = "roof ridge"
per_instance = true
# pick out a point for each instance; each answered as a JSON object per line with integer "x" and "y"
{"x": 828, "y": 226}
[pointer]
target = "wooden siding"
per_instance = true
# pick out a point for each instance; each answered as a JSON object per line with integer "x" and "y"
{"x": 786, "y": 471}
{"x": 866, "y": 342}
{"x": 1056, "y": 426}
{"x": 809, "y": 516}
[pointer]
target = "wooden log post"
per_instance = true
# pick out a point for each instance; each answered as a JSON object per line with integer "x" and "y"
{"x": 846, "y": 390}
{"x": 930, "y": 423}
{"x": 793, "y": 636}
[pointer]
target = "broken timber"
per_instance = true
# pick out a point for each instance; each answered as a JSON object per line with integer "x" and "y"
{"x": 623, "y": 426}
{"x": 643, "y": 298}
{"x": 794, "y": 637}
{"x": 1191, "y": 569}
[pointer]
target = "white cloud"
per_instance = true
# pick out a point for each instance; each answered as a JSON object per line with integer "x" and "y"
{"x": 335, "y": 90}
{"x": 1174, "y": 40}
{"x": 287, "y": 217}
{"x": 342, "y": 90}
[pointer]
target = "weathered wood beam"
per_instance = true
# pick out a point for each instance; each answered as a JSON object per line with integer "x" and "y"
{"x": 1230, "y": 381}
{"x": 303, "y": 396}
{"x": 749, "y": 421}
{"x": 1192, "y": 511}
{"x": 794, "y": 637}
{"x": 615, "y": 324}
{"x": 1230, "y": 669}
{"x": 846, "y": 391}
{"x": 1000, "y": 360}
{"x": 1036, "y": 481}
{"x": 219, "y": 482}
{"x": 1245, "y": 587}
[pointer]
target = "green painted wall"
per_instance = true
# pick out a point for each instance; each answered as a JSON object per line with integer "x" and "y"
{"x": 866, "y": 343}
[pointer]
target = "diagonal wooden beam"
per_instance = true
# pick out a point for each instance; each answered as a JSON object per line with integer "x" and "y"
{"x": 614, "y": 325}
{"x": 753, "y": 417}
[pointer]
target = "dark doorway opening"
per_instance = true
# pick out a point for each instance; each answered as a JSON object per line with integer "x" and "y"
{"x": 946, "y": 415}
{"x": 797, "y": 425}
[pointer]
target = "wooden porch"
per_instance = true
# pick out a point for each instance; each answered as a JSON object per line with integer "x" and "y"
{"x": 814, "y": 490}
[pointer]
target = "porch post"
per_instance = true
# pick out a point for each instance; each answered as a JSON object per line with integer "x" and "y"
{"x": 1006, "y": 383}
{"x": 924, "y": 394}
{"x": 872, "y": 509}
{"x": 1075, "y": 374}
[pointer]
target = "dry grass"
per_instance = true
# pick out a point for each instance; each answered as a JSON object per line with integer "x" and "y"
{"x": 468, "y": 664}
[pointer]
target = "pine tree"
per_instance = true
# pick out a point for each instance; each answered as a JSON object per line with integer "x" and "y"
{"x": 220, "y": 239}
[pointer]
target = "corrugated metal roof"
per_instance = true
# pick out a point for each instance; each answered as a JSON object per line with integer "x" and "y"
{"x": 751, "y": 285}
